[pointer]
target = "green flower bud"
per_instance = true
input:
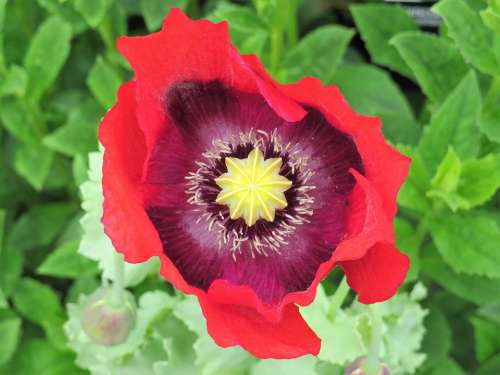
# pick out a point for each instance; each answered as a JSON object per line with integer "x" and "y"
{"x": 108, "y": 321}
{"x": 357, "y": 368}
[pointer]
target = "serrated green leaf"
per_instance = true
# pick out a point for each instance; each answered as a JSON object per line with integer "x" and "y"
{"x": 475, "y": 40}
{"x": 154, "y": 11}
{"x": 65, "y": 262}
{"x": 468, "y": 242}
{"x": 317, "y": 54}
{"x": 448, "y": 173}
{"x": 10, "y": 332}
{"x": 300, "y": 366}
{"x": 210, "y": 358}
{"x": 36, "y": 301}
{"x": 480, "y": 179}
{"x": 33, "y": 163}
{"x": 115, "y": 359}
{"x": 93, "y": 11}
{"x": 339, "y": 342}
{"x": 486, "y": 337}
{"x": 436, "y": 63}
{"x": 79, "y": 134}
{"x": 453, "y": 124}
{"x": 95, "y": 244}
{"x": 371, "y": 91}
{"x": 473, "y": 288}
{"x": 104, "y": 82}
{"x": 377, "y": 34}
{"x": 46, "y": 55}
{"x": 445, "y": 182}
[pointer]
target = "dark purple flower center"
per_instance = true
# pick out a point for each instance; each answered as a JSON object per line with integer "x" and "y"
{"x": 209, "y": 122}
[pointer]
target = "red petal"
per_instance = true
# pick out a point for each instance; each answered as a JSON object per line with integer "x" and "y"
{"x": 378, "y": 275}
{"x": 384, "y": 165}
{"x": 124, "y": 218}
{"x": 231, "y": 325}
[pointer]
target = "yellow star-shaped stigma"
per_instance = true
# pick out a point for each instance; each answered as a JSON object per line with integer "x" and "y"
{"x": 252, "y": 188}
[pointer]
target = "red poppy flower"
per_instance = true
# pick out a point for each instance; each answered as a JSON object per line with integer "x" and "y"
{"x": 249, "y": 191}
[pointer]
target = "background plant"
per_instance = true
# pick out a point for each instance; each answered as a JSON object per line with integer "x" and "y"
{"x": 437, "y": 92}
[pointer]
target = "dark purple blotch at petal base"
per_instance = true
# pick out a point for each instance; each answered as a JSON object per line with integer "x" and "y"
{"x": 200, "y": 113}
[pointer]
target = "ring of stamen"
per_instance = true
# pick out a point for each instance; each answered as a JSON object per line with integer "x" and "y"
{"x": 290, "y": 189}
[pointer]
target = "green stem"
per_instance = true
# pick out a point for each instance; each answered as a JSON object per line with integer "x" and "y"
{"x": 119, "y": 282}
{"x": 372, "y": 363}
{"x": 338, "y": 298}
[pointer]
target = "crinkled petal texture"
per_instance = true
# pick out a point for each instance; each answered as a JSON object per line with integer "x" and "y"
{"x": 192, "y": 91}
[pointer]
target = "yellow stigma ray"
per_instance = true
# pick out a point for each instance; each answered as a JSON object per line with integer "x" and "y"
{"x": 252, "y": 188}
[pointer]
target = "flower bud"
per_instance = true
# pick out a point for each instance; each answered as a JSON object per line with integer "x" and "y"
{"x": 357, "y": 368}
{"x": 106, "y": 321}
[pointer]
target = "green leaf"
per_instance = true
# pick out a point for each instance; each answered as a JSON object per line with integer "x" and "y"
{"x": 10, "y": 331}
{"x": 377, "y": 34}
{"x": 209, "y": 357}
{"x": 37, "y": 356}
{"x": 437, "y": 341}
{"x": 79, "y": 134}
{"x": 66, "y": 11}
{"x": 406, "y": 241}
{"x": 300, "y": 366}
{"x": 436, "y": 63}
{"x": 342, "y": 330}
{"x": 46, "y": 55}
{"x": 154, "y": 11}
{"x": 33, "y": 162}
{"x": 480, "y": 179}
{"x": 448, "y": 367}
{"x": 65, "y": 262}
{"x": 153, "y": 308}
{"x": 40, "y": 225}
{"x": 3, "y": 215}
{"x": 453, "y": 124}
{"x": 489, "y": 120}
{"x": 448, "y": 173}
{"x": 491, "y": 18}
{"x": 15, "y": 82}
{"x": 16, "y": 120}
{"x": 468, "y": 242}
{"x": 371, "y": 91}
{"x": 473, "y": 288}
{"x": 475, "y": 40}
{"x": 2, "y": 17}
{"x": 317, "y": 54}
{"x": 95, "y": 244}
{"x": 93, "y": 11}
{"x": 486, "y": 337}
{"x": 413, "y": 192}
{"x": 491, "y": 367}
{"x": 36, "y": 301}
{"x": 445, "y": 182}
{"x": 104, "y": 82}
